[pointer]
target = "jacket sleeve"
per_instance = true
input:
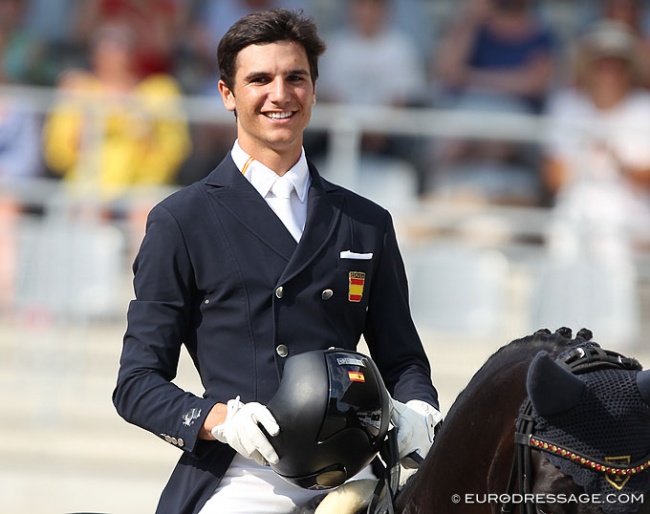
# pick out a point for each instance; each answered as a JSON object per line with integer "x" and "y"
{"x": 157, "y": 325}
{"x": 390, "y": 332}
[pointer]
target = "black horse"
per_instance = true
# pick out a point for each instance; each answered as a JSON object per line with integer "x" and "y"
{"x": 527, "y": 436}
{"x": 469, "y": 469}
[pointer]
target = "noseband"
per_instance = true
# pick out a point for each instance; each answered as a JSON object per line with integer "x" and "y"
{"x": 579, "y": 360}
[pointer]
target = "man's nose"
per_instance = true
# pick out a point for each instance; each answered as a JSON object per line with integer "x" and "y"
{"x": 279, "y": 90}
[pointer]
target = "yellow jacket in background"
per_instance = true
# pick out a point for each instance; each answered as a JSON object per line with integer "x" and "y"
{"x": 110, "y": 142}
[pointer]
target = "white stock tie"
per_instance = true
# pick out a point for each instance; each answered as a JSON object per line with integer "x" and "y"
{"x": 282, "y": 189}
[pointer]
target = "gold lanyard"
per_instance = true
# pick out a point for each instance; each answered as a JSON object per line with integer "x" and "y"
{"x": 248, "y": 162}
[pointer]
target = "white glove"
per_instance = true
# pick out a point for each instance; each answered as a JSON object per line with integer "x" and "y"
{"x": 415, "y": 421}
{"x": 242, "y": 431}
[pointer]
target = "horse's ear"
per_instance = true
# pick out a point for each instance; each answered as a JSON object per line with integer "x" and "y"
{"x": 643, "y": 383}
{"x": 551, "y": 387}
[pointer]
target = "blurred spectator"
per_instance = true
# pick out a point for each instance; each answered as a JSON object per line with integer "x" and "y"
{"x": 497, "y": 57}
{"x": 19, "y": 161}
{"x": 156, "y": 24}
{"x": 498, "y": 47}
{"x": 362, "y": 51}
{"x": 111, "y": 130}
{"x": 21, "y": 52}
{"x": 370, "y": 62}
{"x": 143, "y": 140}
{"x": 597, "y": 162}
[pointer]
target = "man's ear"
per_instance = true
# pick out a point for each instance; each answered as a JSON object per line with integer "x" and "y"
{"x": 227, "y": 96}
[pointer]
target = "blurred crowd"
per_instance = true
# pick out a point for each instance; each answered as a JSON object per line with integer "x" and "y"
{"x": 121, "y": 67}
{"x": 584, "y": 61}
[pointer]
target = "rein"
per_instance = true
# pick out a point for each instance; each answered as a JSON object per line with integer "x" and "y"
{"x": 579, "y": 360}
{"x": 387, "y": 489}
{"x": 384, "y": 494}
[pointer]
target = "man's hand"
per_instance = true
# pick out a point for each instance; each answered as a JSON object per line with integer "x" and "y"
{"x": 241, "y": 430}
{"x": 415, "y": 421}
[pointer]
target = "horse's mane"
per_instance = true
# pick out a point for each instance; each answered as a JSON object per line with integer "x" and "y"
{"x": 516, "y": 352}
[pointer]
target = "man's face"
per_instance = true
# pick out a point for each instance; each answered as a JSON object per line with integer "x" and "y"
{"x": 273, "y": 95}
{"x": 611, "y": 75}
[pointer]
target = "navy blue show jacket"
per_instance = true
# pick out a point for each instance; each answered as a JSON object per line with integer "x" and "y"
{"x": 218, "y": 272}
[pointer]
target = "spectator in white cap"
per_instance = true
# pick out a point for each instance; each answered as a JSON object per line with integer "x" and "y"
{"x": 599, "y": 129}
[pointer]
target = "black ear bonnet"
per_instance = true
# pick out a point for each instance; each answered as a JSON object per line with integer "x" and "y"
{"x": 594, "y": 421}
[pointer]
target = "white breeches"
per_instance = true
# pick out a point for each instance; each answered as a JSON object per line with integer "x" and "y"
{"x": 248, "y": 487}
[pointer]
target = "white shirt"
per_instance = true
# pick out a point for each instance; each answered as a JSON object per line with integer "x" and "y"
{"x": 262, "y": 179}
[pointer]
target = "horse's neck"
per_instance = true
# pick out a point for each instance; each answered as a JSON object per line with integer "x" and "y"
{"x": 482, "y": 425}
{"x": 473, "y": 451}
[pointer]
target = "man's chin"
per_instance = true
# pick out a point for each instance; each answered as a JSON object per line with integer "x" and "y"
{"x": 284, "y": 142}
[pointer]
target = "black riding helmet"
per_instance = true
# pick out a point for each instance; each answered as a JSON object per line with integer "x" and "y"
{"x": 333, "y": 410}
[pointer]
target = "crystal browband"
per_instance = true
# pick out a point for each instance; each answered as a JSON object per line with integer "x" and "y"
{"x": 588, "y": 462}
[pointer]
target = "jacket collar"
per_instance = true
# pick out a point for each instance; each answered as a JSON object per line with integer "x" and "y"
{"x": 263, "y": 177}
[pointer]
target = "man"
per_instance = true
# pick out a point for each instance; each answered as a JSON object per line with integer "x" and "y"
{"x": 596, "y": 167}
{"x": 221, "y": 273}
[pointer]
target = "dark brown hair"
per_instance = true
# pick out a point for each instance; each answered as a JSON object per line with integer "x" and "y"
{"x": 269, "y": 27}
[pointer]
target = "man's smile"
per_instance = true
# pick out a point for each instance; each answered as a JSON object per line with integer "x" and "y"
{"x": 281, "y": 115}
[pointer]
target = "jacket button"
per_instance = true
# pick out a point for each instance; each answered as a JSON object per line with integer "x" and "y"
{"x": 327, "y": 294}
{"x": 282, "y": 350}
{"x": 279, "y": 292}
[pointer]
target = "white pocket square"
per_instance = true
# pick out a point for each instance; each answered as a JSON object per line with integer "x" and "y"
{"x": 347, "y": 254}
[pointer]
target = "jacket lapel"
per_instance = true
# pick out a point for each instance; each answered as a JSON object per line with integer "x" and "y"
{"x": 227, "y": 185}
{"x": 236, "y": 194}
{"x": 323, "y": 214}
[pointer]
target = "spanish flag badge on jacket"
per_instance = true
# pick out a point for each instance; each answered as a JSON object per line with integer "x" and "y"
{"x": 357, "y": 280}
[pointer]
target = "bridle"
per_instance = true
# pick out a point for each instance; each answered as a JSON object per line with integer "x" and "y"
{"x": 579, "y": 360}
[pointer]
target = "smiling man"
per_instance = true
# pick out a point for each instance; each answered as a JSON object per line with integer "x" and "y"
{"x": 261, "y": 260}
